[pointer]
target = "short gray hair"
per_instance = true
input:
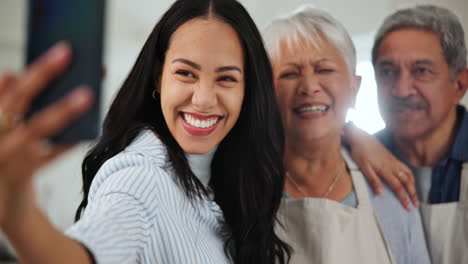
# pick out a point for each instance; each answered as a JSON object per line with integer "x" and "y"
{"x": 438, "y": 20}
{"x": 309, "y": 24}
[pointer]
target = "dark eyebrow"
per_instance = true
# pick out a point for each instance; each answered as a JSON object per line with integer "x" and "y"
{"x": 198, "y": 67}
{"x": 423, "y": 62}
{"x": 188, "y": 62}
{"x": 385, "y": 63}
{"x": 228, "y": 68}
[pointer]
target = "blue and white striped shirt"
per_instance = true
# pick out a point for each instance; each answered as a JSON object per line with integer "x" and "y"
{"x": 137, "y": 213}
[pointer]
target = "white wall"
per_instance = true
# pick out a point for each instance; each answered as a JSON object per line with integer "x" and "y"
{"x": 128, "y": 25}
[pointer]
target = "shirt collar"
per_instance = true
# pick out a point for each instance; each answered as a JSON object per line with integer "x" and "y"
{"x": 459, "y": 148}
{"x": 148, "y": 144}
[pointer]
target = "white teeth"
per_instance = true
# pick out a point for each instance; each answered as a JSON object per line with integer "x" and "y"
{"x": 313, "y": 109}
{"x": 191, "y": 120}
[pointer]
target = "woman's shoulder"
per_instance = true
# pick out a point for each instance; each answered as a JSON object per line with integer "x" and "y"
{"x": 348, "y": 159}
{"x": 387, "y": 202}
{"x": 146, "y": 150}
{"x": 147, "y": 145}
{"x": 144, "y": 163}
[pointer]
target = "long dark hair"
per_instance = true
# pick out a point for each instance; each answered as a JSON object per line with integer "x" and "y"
{"x": 247, "y": 172}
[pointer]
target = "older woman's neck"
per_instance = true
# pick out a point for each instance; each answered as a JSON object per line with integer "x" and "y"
{"x": 313, "y": 157}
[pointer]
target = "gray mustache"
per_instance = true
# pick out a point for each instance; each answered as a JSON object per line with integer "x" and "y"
{"x": 409, "y": 103}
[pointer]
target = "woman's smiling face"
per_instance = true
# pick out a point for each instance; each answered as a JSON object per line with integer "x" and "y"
{"x": 314, "y": 89}
{"x": 202, "y": 83}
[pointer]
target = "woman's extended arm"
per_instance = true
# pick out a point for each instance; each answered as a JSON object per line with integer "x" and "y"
{"x": 24, "y": 149}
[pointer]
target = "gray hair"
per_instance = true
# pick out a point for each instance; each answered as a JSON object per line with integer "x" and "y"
{"x": 438, "y": 20}
{"x": 312, "y": 25}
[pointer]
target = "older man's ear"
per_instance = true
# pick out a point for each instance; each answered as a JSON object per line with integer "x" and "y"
{"x": 461, "y": 84}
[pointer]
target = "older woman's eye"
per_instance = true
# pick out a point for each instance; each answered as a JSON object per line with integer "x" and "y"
{"x": 325, "y": 70}
{"x": 185, "y": 73}
{"x": 289, "y": 75}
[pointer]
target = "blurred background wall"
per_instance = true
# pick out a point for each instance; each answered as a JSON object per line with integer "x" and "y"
{"x": 128, "y": 23}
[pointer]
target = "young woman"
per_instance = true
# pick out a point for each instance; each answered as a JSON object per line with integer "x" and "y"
{"x": 188, "y": 168}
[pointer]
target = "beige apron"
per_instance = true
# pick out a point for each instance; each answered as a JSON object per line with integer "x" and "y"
{"x": 324, "y": 231}
{"x": 446, "y": 227}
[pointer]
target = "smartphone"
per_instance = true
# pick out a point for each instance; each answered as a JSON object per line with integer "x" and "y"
{"x": 81, "y": 24}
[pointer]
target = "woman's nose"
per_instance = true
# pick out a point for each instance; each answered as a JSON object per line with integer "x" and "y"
{"x": 204, "y": 96}
{"x": 309, "y": 85}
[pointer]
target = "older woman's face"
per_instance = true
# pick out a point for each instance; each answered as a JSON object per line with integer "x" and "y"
{"x": 314, "y": 89}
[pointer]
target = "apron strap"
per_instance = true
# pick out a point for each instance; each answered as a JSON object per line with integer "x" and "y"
{"x": 464, "y": 183}
{"x": 359, "y": 183}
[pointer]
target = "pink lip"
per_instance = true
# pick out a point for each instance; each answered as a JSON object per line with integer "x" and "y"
{"x": 198, "y": 131}
{"x": 202, "y": 117}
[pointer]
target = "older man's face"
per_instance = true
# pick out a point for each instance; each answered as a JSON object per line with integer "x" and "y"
{"x": 416, "y": 93}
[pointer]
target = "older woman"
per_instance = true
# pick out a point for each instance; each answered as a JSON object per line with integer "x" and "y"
{"x": 328, "y": 214}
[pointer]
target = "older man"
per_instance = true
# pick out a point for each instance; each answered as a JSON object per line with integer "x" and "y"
{"x": 419, "y": 57}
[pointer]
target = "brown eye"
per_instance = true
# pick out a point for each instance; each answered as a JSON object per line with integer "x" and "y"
{"x": 325, "y": 70}
{"x": 185, "y": 73}
{"x": 289, "y": 75}
{"x": 421, "y": 71}
{"x": 226, "y": 78}
{"x": 387, "y": 72}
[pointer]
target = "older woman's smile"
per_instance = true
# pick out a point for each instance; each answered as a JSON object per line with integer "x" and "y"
{"x": 307, "y": 109}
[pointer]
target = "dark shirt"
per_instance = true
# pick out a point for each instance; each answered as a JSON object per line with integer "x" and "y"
{"x": 446, "y": 174}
